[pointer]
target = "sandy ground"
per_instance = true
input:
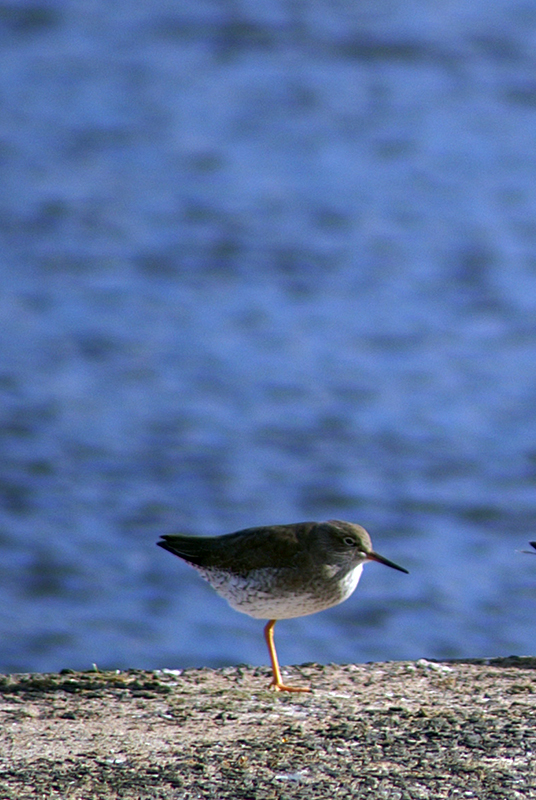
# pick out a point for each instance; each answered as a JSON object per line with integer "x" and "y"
{"x": 397, "y": 730}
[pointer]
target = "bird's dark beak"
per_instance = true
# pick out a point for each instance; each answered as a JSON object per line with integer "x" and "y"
{"x": 381, "y": 560}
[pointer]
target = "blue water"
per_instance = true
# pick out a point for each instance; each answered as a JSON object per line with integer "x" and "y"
{"x": 258, "y": 269}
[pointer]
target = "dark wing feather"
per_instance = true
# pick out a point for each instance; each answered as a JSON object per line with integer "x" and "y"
{"x": 240, "y": 552}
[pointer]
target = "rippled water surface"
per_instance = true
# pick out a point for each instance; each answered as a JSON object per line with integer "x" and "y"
{"x": 259, "y": 267}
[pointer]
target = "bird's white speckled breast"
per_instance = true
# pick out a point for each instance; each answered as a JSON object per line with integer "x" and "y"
{"x": 270, "y": 594}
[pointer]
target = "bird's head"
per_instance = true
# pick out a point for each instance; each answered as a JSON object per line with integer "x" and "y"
{"x": 348, "y": 545}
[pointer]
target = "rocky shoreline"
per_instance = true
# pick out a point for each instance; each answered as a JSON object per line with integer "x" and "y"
{"x": 396, "y": 730}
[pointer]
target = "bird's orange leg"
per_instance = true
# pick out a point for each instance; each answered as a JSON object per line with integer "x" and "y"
{"x": 277, "y": 685}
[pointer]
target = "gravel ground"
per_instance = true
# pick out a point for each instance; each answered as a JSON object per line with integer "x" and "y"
{"x": 395, "y": 730}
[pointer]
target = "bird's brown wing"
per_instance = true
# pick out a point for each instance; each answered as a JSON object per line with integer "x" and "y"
{"x": 240, "y": 552}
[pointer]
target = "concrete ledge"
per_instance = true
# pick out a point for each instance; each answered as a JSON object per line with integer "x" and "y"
{"x": 398, "y": 730}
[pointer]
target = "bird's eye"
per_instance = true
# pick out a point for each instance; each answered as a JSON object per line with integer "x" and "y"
{"x": 349, "y": 541}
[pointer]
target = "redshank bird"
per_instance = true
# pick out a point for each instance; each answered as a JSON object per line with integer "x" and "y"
{"x": 281, "y": 571}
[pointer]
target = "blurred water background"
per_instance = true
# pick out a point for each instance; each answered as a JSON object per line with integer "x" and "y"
{"x": 264, "y": 262}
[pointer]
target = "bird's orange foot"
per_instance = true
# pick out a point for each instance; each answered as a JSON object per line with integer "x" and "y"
{"x": 280, "y": 687}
